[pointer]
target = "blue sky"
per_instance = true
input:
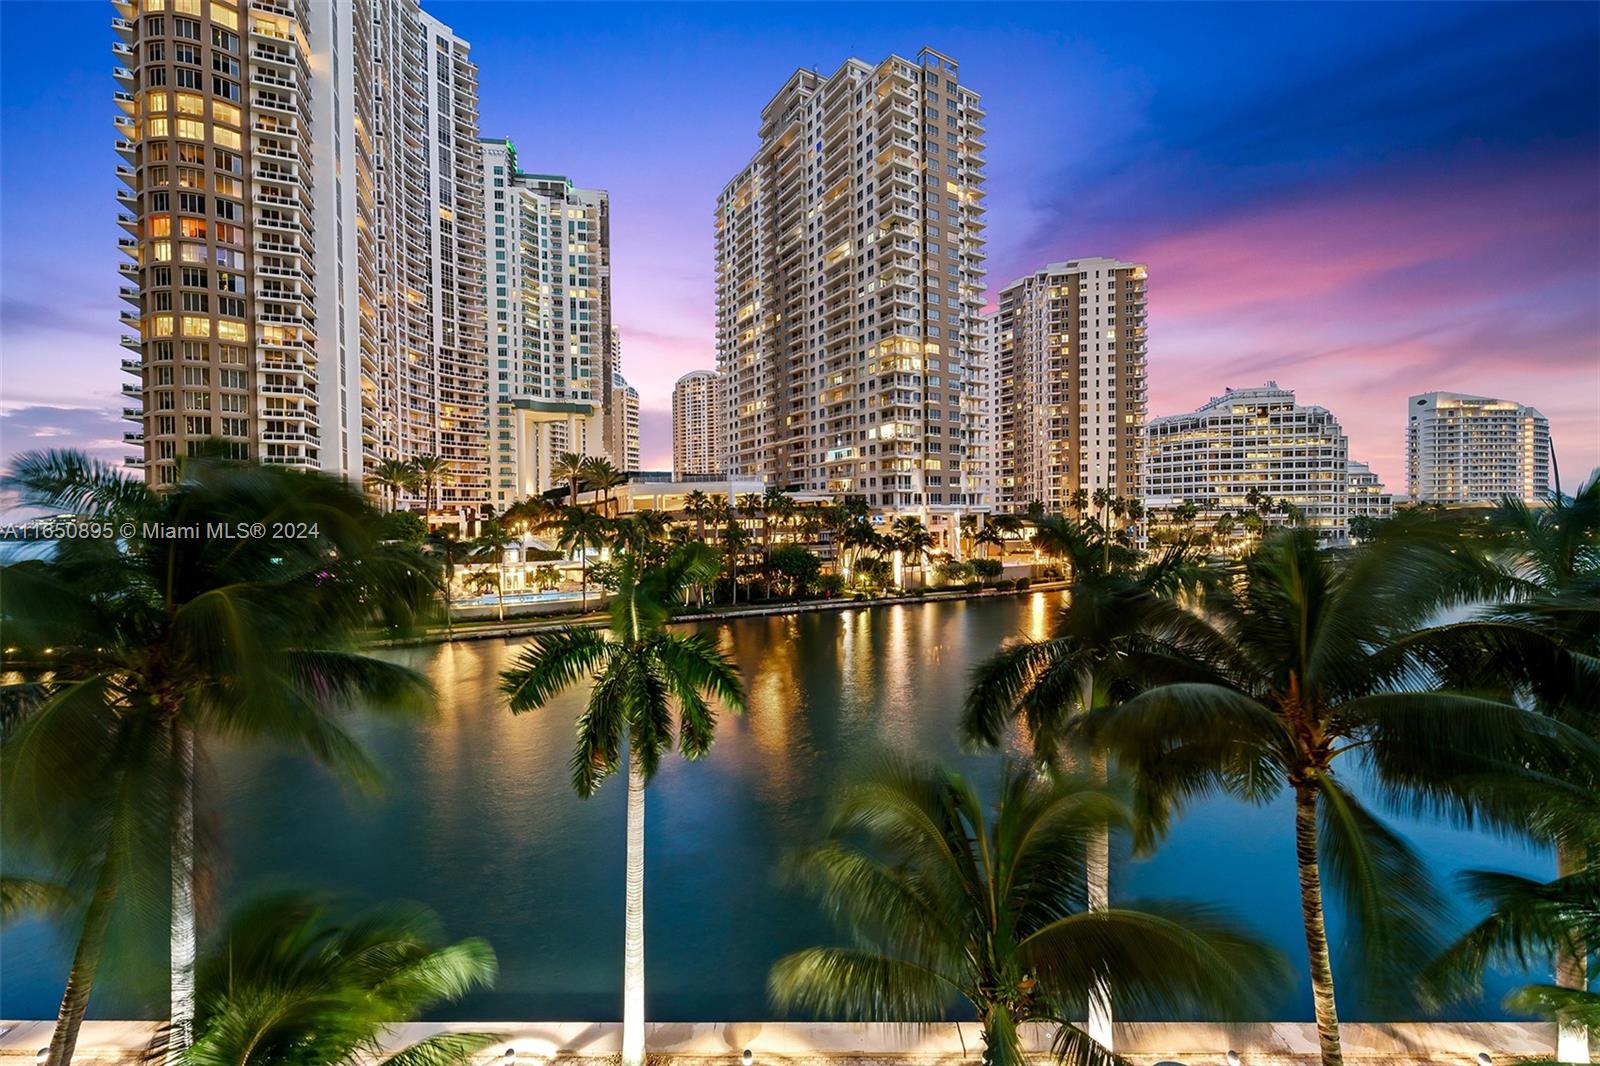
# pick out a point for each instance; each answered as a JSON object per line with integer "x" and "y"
{"x": 1360, "y": 201}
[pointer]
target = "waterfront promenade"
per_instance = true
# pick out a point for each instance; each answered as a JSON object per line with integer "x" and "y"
{"x": 529, "y": 623}
{"x": 881, "y": 1044}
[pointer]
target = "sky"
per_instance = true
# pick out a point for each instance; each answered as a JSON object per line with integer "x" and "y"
{"x": 1360, "y": 202}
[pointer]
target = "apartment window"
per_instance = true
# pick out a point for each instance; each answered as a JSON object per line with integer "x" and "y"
{"x": 222, "y": 39}
{"x": 185, "y": 78}
{"x": 186, "y": 28}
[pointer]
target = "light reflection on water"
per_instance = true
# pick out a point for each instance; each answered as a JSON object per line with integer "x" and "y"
{"x": 480, "y": 823}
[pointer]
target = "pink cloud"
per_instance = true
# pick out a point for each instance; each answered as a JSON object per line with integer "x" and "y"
{"x": 1474, "y": 281}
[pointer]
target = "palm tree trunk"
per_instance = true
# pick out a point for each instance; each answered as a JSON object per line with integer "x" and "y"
{"x": 500, "y": 585}
{"x": 633, "y": 924}
{"x": 85, "y": 961}
{"x": 1097, "y": 875}
{"x": 1572, "y": 971}
{"x": 1305, "y": 849}
{"x": 183, "y": 912}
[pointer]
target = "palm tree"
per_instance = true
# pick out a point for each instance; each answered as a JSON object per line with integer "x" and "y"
{"x": 1543, "y": 642}
{"x": 290, "y": 981}
{"x": 568, "y": 467}
{"x": 600, "y": 475}
{"x": 451, "y": 553}
{"x": 735, "y": 542}
{"x": 1097, "y": 656}
{"x": 697, "y": 505}
{"x": 1527, "y": 923}
{"x": 1079, "y": 502}
{"x": 943, "y": 901}
{"x": 912, "y": 538}
{"x": 430, "y": 471}
{"x": 1312, "y": 661}
{"x": 126, "y": 654}
{"x": 644, "y": 677}
{"x": 578, "y": 530}
{"x": 988, "y": 536}
{"x": 491, "y": 544}
{"x": 394, "y": 476}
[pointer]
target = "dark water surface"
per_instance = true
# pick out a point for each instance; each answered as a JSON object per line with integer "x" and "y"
{"x": 479, "y": 822}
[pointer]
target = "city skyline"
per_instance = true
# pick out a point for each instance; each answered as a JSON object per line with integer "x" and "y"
{"x": 1374, "y": 233}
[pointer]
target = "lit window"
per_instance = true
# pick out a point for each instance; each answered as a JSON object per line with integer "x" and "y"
{"x": 196, "y": 327}
{"x": 192, "y": 129}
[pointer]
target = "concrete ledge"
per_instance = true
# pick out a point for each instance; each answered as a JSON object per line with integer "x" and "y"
{"x": 869, "y": 1044}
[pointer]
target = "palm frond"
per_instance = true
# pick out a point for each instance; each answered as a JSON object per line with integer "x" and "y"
{"x": 553, "y": 661}
{"x": 858, "y": 984}
{"x": 1391, "y": 903}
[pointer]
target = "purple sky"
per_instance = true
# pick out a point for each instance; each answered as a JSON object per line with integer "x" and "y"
{"x": 1360, "y": 202}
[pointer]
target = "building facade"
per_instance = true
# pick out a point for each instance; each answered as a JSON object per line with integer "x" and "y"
{"x": 984, "y": 417}
{"x": 305, "y": 275}
{"x": 624, "y": 419}
{"x": 552, "y": 390}
{"x": 1473, "y": 449}
{"x": 1368, "y": 498}
{"x": 850, "y": 275}
{"x": 1255, "y": 452}
{"x": 699, "y": 424}
{"x": 1070, "y": 383}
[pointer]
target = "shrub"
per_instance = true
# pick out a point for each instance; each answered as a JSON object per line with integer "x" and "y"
{"x": 974, "y": 586}
{"x": 918, "y": 591}
{"x": 1005, "y": 584}
{"x": 986, "y": 569}
{"x": 1024, "y": 582}
{"x": 859, "y": 597}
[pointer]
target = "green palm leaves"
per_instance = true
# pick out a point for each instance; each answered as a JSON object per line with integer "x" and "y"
{"x": 293, "y": 981}
{"x": 942, "y": 900}
{"x": 122, "y": 653}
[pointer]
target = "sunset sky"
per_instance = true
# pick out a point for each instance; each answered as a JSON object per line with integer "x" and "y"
{"x": 1360, "y": 202}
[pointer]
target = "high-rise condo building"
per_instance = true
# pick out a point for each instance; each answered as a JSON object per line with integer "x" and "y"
{"x": 1473, "y": 449}
{"x": 552, "y": 388}
{"x": 305, "y": 259}
{"x": 1070, "y": 383}
{"x": 1255, "y": 452}
{"x": 984, "y": 419}
{"x": 850, "y": 274}
{"x": 624, "y": 418}
{"x": 699, "y": 423}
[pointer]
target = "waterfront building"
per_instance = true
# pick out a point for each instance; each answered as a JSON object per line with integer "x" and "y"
{"x": 850, "y": 276}
{"x": 553, "y": 375}
{"x": 984, "y": 415}
{"x": 1254, "y": 457}
{"x": 1367, "y": 497}
{"x": 305, "y": 273}
{"x": 1070, "y": 383}
{"x": 624, "y": 419}
{"x": 1473, "y": 450}
{"x": 699, "y": 422}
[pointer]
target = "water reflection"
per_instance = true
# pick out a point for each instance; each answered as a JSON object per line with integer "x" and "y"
{"x": 480, "y": 822}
